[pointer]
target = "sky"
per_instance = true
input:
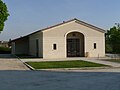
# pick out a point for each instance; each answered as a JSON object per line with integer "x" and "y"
{"x": 27, "y": 16}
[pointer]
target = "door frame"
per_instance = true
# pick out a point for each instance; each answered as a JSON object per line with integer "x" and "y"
{"x": 37, "y": 47}
{"x": 72, "y": 35}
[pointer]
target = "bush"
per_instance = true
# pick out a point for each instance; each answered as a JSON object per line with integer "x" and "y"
{"x": 5, "y": 50}
{"x": 108, "y": 48}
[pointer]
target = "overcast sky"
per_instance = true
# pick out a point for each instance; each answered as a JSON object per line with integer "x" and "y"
{"x": 27, "y": 16}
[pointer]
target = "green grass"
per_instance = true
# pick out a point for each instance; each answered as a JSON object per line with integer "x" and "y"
{"x": 63, "y": 64}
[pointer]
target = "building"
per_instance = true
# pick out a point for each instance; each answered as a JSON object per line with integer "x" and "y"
{"x": 73, "y": 38}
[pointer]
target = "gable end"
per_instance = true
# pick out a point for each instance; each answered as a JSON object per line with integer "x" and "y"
{"x": 90, "y": 26}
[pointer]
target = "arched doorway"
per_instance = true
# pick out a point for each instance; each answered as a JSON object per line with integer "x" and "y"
{"x": 75, "y": 44}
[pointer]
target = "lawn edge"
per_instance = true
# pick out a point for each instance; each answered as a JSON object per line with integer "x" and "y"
{"x": 83, "y": 68}
{"x": 57, "y": 69}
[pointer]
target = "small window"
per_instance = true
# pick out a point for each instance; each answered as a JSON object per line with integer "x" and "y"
{"x": 54, "y": 46}
{"x": 94, "y": 45}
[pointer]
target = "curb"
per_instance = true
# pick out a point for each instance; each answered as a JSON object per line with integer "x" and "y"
{"x": 84, "y": 68}
{"x": 80, "y": 69}
{"x": 31, "y": 68}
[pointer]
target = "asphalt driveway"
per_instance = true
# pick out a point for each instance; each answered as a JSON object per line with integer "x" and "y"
{"x": 41, "y": 80}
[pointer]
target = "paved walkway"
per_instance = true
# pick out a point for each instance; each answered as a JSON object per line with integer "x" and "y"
{"x": 95, "y": 60}
{"x": 12, "y": 64}
{"x": 9, "y": 62}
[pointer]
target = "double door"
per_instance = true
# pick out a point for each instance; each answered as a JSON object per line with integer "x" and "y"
{"x": 73, "y": 47}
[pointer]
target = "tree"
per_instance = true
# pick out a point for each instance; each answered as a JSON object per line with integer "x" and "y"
{"x": 113, "y": 39}
{"x": 3, "y": 14}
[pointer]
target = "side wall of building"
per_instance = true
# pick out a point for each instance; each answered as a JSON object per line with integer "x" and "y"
{"x": 36, "y": 44}
{"x": 20, "y": 46}
{"x": 57, "y": 35}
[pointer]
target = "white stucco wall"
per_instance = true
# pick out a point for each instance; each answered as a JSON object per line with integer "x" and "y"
{"x": 57, "y": 35}
{"x": 32, "y": 44}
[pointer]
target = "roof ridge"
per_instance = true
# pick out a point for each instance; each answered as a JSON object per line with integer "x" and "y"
{"x": 54, "y": 25}
{"x": 74, "y": 19}
{"x": 90, "y": 25}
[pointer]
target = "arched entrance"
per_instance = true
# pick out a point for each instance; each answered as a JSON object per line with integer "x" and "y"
{"x": 75, "y": 44}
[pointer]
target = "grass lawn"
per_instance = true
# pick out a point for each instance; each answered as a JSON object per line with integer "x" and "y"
{"x": 63, "y": 64}
{"x": 113, "y": 60}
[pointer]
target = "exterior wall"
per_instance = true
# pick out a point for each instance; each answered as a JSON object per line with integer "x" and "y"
{"x": 100, "y": 46}
{"x": 57, "y": 35}
{"x": 13, "y": 48}
{"x": 20, "y": 46}
{"x": 32, "y": 44}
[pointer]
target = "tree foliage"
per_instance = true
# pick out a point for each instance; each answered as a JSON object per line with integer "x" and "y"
{"x": 3, "y": 14}
{"x": 113, "y": 39}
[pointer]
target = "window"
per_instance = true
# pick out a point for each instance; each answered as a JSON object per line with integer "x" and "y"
{"x": 94, "y": 45}
{"x": 54, "y": 46}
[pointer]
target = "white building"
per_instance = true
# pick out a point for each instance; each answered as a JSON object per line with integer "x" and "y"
{"x": 73, "y": 38}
